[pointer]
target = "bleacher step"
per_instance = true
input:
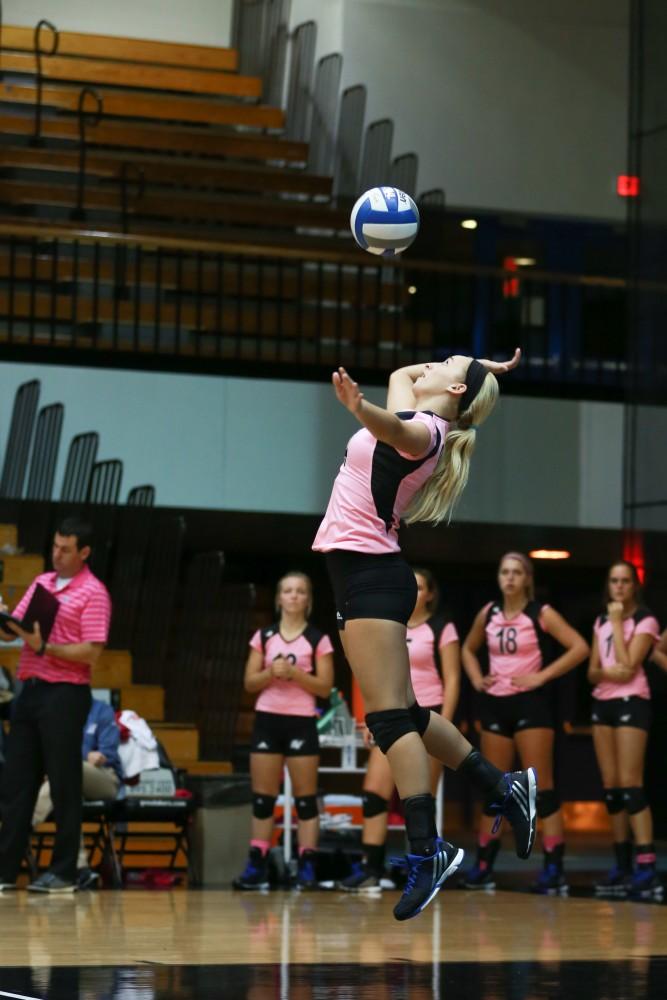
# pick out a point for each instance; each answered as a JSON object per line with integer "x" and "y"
{"x": 147, "y": 700}
{"x": 180, "y": 740}
{"x": 20, "y": 570}
{"x": 204, "y": 767}
{"x": 8, "y": 535}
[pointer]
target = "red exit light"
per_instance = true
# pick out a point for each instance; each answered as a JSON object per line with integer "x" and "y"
{"x": 627, "y": 185}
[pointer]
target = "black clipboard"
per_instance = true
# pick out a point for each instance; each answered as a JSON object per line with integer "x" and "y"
{"x": 43, "y": 608}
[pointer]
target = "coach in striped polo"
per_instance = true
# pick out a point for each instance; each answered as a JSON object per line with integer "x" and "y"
{"x": 51, "y": 710}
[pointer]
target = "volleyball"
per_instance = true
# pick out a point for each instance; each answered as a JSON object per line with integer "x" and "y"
{"x": 384, "y": 221}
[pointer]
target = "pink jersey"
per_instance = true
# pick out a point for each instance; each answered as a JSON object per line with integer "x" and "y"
{"x": 374, "y": 487}
{"x": 513, "y": 646}
{"x": 641, "y": 623}
{"x": 286, "y": 697}
{"x": 83, "y": 616}
{"x": 423, "y": 641}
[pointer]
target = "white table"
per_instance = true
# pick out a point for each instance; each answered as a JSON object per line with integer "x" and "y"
{"x": 349, "y": 747}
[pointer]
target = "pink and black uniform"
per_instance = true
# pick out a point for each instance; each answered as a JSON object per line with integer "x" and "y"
{"x": 424, "y": 642}
{"x": 359, "y": 533}
{"x": 516, "y": 647}
{"x": 285, "y": 714}
{"x": 629, "y": 703}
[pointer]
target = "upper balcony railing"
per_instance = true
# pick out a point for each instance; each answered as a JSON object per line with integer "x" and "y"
{"x": 77, "y": 297}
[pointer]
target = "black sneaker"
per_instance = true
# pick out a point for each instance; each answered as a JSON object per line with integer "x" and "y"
{"x": 255, "y": 873}
{"x": 478, "y": 878}
{"x": 615, "y": 884}
{"x": 361, "y": 879}
{"x": 550, "y": 881}
{"x": 86, "y": 878}
{"x": 7, "y": 886}
{"x": 426, "y": 875}
{"x": 519, "y": 806}
{"x": 48, "y": 882}
{"x": 305, "y": 874}
{"x": 646, "y": 884}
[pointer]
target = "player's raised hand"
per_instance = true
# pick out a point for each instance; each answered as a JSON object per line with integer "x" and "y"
{"x": 347, "y": 391}
{"x": 500, "y": 367}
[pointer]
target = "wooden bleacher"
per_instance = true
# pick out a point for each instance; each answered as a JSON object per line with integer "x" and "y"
{"x": 184, "y": 171}
{"x": 166, "y": 138}
{"x": 115, "y": 47}
{"x": 161, "y": 104}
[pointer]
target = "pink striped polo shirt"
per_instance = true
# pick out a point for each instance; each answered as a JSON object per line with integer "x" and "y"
{"x": 642, "y": 623}
{"x": 83, "y": 616}
{"x": 423, "y": 640}
{"x": 514, "y": 648}
{"x": 284, "y": 697}
{"x": 374, "y": 487}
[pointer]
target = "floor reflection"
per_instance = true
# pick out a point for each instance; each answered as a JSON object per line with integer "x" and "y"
{"x": 640, "y": 979}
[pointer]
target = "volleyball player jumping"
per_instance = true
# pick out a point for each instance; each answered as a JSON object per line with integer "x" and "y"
{"x": 412, "y": 459}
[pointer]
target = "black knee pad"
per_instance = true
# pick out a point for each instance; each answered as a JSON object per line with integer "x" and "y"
{"x": 634, "y": 800}
{"x": 263, "y": 805}
{"x": 548, "y": 803}
{"x": 420, "y": 716}
{"x": 306, "y": 806}
{"x": 389, "y": 726}
{"x": 614, "y": 801}
{"x": 373, "y": 805}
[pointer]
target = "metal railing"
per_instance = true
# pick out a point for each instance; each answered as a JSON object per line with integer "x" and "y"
{"x": 79, "y": 296}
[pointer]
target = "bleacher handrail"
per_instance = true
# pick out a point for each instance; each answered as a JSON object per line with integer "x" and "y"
{"x": 39, "y": 52}
{"x": 353, "y": 258}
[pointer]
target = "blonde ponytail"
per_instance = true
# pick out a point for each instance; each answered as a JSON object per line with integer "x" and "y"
{"x": 441, "y": 492}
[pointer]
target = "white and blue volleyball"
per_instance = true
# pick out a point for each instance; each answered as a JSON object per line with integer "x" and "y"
{"x": 384, "y": 221}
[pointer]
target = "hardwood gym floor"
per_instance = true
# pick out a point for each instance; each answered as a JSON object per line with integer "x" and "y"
{"x": 139, "y": 945}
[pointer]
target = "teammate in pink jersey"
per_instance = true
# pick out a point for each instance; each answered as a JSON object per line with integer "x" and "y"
{"x": 623, "y": 638}
{"x": 435, "y": 669}
{"x": 516, "y": 711}
{"x": 290, "y": 665}
{"x": 410, "y": 459}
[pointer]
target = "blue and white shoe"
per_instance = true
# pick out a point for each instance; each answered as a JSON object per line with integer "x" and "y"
{"x": 519, "y": 806}
{"x": 255, "y": 874}
{"x": 361, "y": 879}
{"x": 646, "y": 884}
{"x": 305, "y": 876}
{"x": 550, "y": 882}
{"x": 614, "y": 884}
{"x": 426, "y": 875}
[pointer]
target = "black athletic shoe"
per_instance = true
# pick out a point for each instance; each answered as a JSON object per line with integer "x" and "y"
{"x": 305, "y": 875}
{"x": 478, "y": 878}
{"x": 361, "y": 879}
{"x": 646, "y": 884}
{"x": 519, "y": 806}
{"x": 254, "y": 875}
{"x": 550, "y": 881}
{"x": 426, "y": 875}
{"x": 86, "y": 878}
{"x": 614, "y": 884}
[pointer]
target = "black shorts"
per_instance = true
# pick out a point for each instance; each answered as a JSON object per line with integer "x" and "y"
{"x": 631, "y": 711}
{"x": 513, "y": 713}
{"x": 371, "y": 586}
{"x": 289, "y": 735}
